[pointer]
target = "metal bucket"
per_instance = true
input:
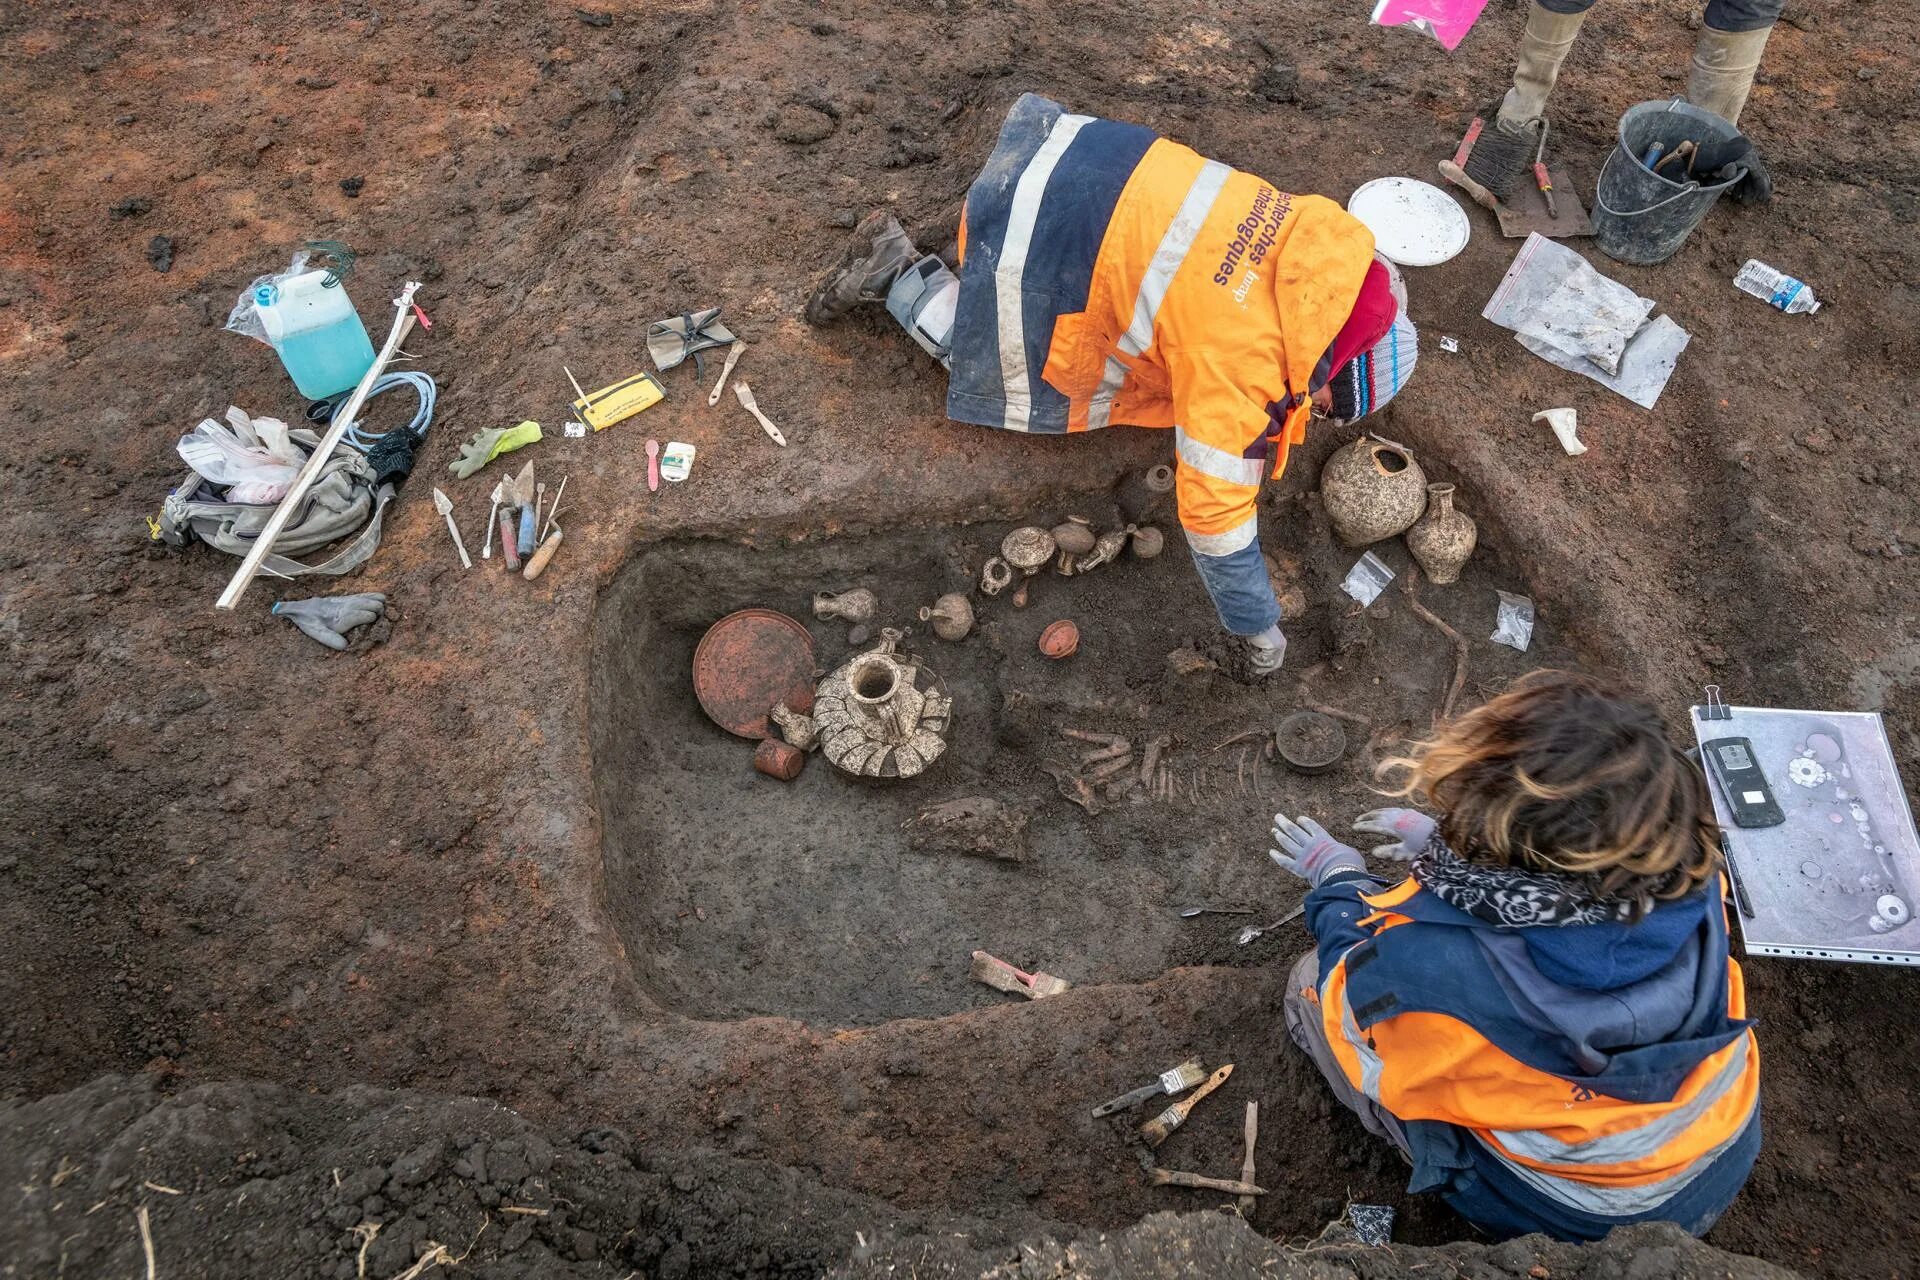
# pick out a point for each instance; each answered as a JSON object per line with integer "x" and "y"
{"x": 1643, "y": 217}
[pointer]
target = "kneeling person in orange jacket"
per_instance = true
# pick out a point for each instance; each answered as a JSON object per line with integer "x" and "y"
{"x": 1106, "y": 275}
{"x": 1543, "y": 1016}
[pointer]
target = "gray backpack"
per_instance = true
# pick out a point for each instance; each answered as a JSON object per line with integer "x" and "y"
{"x": 340, "y": 501}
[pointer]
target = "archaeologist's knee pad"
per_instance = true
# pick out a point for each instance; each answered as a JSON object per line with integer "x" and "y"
{"x": 923, "y": 301}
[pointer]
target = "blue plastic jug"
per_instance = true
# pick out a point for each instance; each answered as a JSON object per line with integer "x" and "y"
{"x": 312, "y": 325}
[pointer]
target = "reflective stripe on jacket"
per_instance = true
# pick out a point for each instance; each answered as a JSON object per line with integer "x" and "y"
{"x": 1576, "y": 1102}
{"x": 1111, "y": 276}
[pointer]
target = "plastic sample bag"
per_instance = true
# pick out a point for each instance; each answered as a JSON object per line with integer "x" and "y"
{"x": 1447, "y": 21}
{"x": 253, "y": 458}
{"x": 1570, "y": 315}
{"x": 1367, "y": 579}
{"x": 1513, "y": 625}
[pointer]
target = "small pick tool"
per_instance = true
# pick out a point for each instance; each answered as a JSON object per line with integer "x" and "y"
{"x": 444, "y": 505}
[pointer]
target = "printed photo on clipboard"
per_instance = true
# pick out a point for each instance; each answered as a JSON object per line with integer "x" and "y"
{"x": 1818, "y": 832}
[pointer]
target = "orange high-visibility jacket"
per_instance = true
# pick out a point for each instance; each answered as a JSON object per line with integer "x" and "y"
{"x": 1111, "y": 276}
{"x": 1566, "y": 1079}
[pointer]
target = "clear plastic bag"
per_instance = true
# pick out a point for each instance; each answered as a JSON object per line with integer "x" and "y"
{"x": 1513, "y": 625}
{"x": 245, "y": 316}
{"x": 1552, "y": 295}
{"x": 1367, "y": 579}
{"x": 254, "y": 459}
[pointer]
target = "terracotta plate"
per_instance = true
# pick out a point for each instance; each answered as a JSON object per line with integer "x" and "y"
{"x": 747, "y": 662}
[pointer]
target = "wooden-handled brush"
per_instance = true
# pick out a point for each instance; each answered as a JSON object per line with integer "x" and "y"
{"x": 1181, "y": 1178}
{"x": 1155, "y": 1131}
{"x": 1002, "y": 976}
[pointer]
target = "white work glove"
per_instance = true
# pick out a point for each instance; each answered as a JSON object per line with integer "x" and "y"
{"x": 1309, "y": 852}
{"x": 1269, "y": 650}
{"x": 1409, "y": 829}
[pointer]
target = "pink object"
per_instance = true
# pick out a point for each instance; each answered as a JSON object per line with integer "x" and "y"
{"x": 1447, "y": 21}
{"x": 653, "y": 466}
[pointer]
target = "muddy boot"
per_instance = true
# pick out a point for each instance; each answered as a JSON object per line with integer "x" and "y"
{"x": 1503, "y": 154}
{"x": 867, "y": 268}
{"x": 1724, "y": 63}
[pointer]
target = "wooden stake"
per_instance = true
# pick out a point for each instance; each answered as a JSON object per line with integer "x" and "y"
{"x": 348, "y": 414}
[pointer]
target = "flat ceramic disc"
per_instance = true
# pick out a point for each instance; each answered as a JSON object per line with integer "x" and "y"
{"x": 747, "y": 662}
{"x": 1414, "y": 223}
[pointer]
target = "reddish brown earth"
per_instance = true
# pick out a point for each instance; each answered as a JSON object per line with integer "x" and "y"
{"x": 436, "y": 862}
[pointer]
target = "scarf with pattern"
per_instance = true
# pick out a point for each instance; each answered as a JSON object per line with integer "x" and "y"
{"x": 1512, "y": 897}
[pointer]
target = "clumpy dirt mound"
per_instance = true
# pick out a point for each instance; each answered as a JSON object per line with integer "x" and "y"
{"x": 1171, "y": 1246}
{"x": 263, "y": 1181}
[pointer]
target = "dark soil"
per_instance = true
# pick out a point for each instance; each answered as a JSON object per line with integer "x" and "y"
{"x": 264, "y": 1181}
{"x": 738, "y": 895}
{"x": 471, "y": 856}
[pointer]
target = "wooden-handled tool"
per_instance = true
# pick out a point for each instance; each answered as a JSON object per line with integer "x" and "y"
{"x": 1155, "y": 1131}
{"x": 538, "y": 565}
{"x": 1001, "y": 976}
{"x": 1245, "y": 1204}
{"x": 752, "y": 406}
{"x": 726, "y": 371}
{"x": 1180, "y": 1178}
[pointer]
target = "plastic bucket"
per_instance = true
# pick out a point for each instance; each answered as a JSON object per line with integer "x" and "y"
{"x": 1643, "y": 217}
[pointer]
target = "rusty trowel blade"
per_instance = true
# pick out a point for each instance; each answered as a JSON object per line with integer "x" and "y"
{"x": 1525, "y": 211}
{"x": 523, "y": 487}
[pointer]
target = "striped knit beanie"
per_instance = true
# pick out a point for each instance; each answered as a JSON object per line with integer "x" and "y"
{"x": 1366, "y": 382}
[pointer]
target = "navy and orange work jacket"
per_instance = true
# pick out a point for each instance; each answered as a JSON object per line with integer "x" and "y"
{"x": 1565, "y": 1079}
{"x": 1111, "y": 276}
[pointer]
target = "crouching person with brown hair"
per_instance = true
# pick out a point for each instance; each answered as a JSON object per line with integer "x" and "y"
{"x": 1543, "y": 1016}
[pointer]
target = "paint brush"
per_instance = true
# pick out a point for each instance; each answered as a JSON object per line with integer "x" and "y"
{"x": 1002, "y": 976}
{"x": 1178, "y": 1080}
{"x": 1155, "y": 1131}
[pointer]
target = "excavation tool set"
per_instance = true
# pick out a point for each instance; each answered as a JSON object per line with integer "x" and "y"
{"x": 1147, "y": 1138}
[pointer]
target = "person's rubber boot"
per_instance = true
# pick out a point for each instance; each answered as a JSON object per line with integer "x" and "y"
{"x": 1503, "y": 154}
{"x": 878, "y": 253}
{"x": 1724, "y": 63}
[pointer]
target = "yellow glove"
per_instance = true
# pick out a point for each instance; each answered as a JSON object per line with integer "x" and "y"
{"x": 490, "y": 444}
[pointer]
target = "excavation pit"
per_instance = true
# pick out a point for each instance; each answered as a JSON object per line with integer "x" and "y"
{"x": 822, "y": 899}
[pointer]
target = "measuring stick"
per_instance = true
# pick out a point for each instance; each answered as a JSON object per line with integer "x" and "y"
{"x": 263, "y": 545}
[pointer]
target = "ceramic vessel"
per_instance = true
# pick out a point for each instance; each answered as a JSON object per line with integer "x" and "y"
{"x": 1027, "y": 549}
{"x": 1148, "y": 542}
{"x": 855, "y": 606}
{"x": 1372, "y": 491}
{"x": 1106, "y": 548}
{"x": 951, "y": 616}
{"x": 995, "y": 574}
{"x": 882, "y": 714}
{"x": 1074, "y": 538}
{"x": 1443, "y": 538}
{"x": 1060, "y": 639}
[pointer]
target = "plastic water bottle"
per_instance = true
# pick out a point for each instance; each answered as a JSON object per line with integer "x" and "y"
{"x": 317, "y": 333}
{"x": 1775, "y": 288}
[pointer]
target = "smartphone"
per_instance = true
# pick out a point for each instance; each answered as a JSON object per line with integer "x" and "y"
{"x": 1732, "y": 763}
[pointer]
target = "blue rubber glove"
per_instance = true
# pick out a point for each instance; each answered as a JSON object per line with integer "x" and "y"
{"x": 1309, "y": 852}
{"x": 1409, "y": 829}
